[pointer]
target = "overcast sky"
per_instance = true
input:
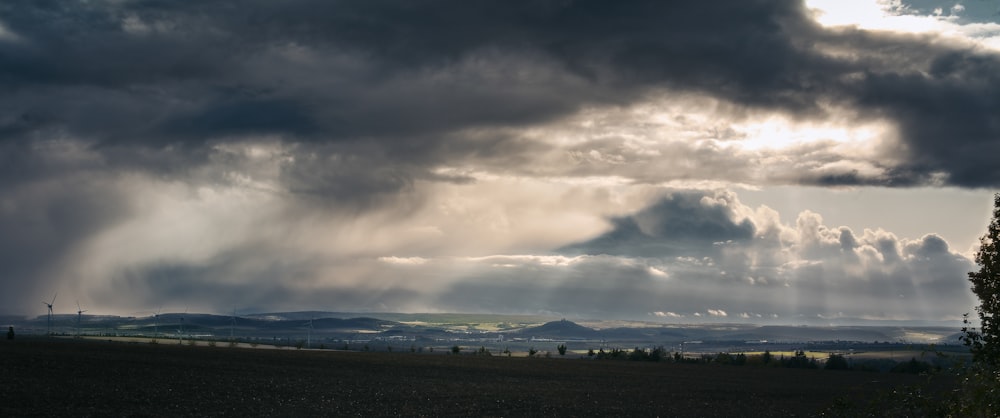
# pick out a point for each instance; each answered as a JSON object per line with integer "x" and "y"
{"x": 677, "y": 161}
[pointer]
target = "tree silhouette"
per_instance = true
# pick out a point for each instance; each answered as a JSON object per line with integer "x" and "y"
{"x": 837, "y": 362}
{"x": 985, "y": 342}
{"x": 979, "y": 394}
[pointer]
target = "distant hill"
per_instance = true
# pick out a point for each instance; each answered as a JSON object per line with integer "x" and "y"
{"x": 560, "y": 329}
{"x": 447, "y": 328}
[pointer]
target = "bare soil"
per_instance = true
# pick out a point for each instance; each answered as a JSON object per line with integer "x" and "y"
{"x": 66, "y": 377}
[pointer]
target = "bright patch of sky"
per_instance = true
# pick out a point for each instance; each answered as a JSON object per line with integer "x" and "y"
{"x": 977, "y": 21}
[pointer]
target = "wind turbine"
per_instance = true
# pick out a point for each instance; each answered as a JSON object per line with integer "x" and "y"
{"x": 180, "y": 334}
{"x": 49, "y": 304}
{"x": 156, "y": 322}
{"x": 79, "y": 315}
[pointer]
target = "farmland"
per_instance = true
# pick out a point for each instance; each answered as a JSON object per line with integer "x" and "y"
{"x": 76, "y": 377}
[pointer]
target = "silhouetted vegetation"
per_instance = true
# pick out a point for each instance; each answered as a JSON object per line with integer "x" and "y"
{"x": 799, "y": 361}
{"x": 980, "y": 395}
{"x": 836, "y": 362}
{"x": 636, "y": 354}
{"x": 913, "y": 366}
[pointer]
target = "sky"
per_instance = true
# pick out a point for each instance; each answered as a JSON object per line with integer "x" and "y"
{"x": 754, "y": 161}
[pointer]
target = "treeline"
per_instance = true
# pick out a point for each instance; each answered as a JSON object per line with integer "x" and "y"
{"x": 799, "y": 360}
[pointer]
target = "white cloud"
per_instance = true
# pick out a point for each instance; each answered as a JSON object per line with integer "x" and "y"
{"x": 403, "y": 260}
{"x": 717, "y": 312}
{"x": 894, "y": 15}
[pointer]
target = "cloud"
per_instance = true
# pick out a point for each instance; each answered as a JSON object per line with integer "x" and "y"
{"x": 717, "y": 312}
{"x": 679, "y": 224}
{"x": 523, "y": 156}
{"x": 412, "y": 82}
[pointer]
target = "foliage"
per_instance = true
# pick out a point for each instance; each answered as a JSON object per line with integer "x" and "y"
{"x": 456, "y": 349}
{"x": 837, "y": 362}
{"x": 980, "y": 394}
{"x": 532, "y": 352}
{"x": 562, "y": 349}
{"x": 985, "y": 342}
{"x": 636, "y": 354}
{"x": 729, "y": 359}
{"x": 913, "y": 366}
{"x": 799, "y": 361}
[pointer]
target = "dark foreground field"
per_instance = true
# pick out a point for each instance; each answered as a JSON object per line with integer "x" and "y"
{"x": 53, "y": 377}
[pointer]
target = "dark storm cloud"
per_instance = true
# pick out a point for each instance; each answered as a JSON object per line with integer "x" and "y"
{"x": 947, "y": 117}
{"x": 681, "y": 224}
{"x": 150, "y": 73}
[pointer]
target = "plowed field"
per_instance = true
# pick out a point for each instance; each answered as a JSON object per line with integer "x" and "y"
{"x": 65, "y": 377}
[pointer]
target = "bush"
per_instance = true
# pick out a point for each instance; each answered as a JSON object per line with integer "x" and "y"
{"x": 836, "y": 362}
{"x": 913, "y": 366}
{"x": 800, "y": 361}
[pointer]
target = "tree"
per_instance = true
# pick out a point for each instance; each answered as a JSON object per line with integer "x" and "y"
{"x": 980, "y": 394}
{"x": 836, "y": 362}
{"x": 562, "y": 349}
{"x": 985, "y": 342}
